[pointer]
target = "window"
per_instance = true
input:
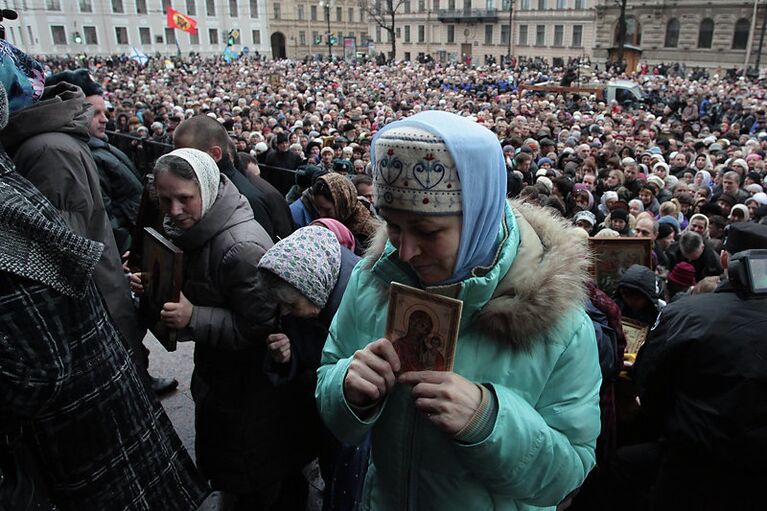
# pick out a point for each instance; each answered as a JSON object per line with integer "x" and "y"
{"x": 141, "y": 7}
{"x": 672, "y": 33}
{"x": 525, "y": 5}
{"x": 166, "y": 4}
{"x": 54, "y": 5}
{"x": 117, "y": 7}
{"x": 256, "y": 36}
{"x": 300, "y": 12}
{"x": 144, "y": 35}
{"x": 158, "y": 39}
{"x": 421, "y": 5}
{"x": 350, "y": 16}
{"x": 451, "y": 33}
{"x": 339, "y": 13}
{"x": 577, "y": 36}
{"x": 302, "y": 38}
{"x": 451, "y": 5}
{"x": 488, "y": 34}
{"x": 740, "y": 37}
{"x": 559, "y": 35}
{"x": 561, "y": 4}
{"x": 490, "y": 5}
{"x": 505, "y": 5}
{"x": 58, "y": 34}
{"x": 435, "y": 5}
{"x": 633, "y": 33}
{"x": 541, "y": 5}
{"x": 505, "y": 34}
{"x": 254, "y": 8}
{"x": 277, "y": 12}
{"x": 579, "y": 4}
{"x": 523, "y": 35}
{"x": 362, "y": 15}
{"x": 90, "y": 35}
{"x": 340, "y": 36}
{"x": 213, "y": 35}
{"x": 31, "y": 35}
{"x": 407, "y": 33}
{"x": 706, "y": 33}
{"x": 315, "y": 36}
{"x": 540, "y": 35}
{"x": 86, "y": 6}
{"x": 191, "y": 10}
{"x": 194, "y": 38}
{"x": 233, "y": 8}
{"x": 210, "y": 10}
{"x": 170, "y": 36}
{"x": 421, "y": 33}
{"x": 407, "y": 6}
{"x": 378, "y": 34}
{"x": 121, "y": 35}
{"x": 466, "y": 5}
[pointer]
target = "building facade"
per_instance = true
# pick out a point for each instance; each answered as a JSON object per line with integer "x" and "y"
{"x": 698, "y": 33}
{"x": 105, "y": 27}
{"x": 452, "y": 30}
{"x": 300, "y": 28}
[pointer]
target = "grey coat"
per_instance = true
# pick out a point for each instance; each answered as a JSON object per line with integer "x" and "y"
{"x": 48, "y": 142}
{"x": 234, "y": 402}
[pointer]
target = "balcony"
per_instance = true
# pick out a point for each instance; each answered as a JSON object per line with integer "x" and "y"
{"x": 468, "y": 15}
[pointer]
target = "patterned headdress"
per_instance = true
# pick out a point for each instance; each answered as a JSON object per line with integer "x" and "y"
{"x": 415, "y": 172}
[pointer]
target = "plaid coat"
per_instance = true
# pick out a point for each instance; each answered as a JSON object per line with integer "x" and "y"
{"x": 67, "y": 380}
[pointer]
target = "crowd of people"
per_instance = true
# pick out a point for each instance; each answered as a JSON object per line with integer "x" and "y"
{"x": 298, "y": 192}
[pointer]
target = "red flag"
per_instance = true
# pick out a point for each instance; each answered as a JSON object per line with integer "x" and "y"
{"x": 181, "y": 21}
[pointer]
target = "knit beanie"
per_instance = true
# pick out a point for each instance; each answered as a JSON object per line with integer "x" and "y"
{"x": 683, "y": 275}
{"x": 619, "y": 214}
{"x": 416, "y": 173}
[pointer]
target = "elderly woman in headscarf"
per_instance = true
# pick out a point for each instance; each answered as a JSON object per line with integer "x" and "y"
{"x": 336, "y": 197}
{"x": 306, "y": 274}
{"x": 223, "y": 311}
{"x": 513, "y": 424}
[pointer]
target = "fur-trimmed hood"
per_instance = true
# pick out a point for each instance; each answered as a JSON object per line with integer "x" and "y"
{"x": 547, "y": 278}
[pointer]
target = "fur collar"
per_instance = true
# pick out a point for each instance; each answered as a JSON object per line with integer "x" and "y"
{"x": 547, "y": 278}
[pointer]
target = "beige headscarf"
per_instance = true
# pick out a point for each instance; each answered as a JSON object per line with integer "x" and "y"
{"x": 205, "y": 169}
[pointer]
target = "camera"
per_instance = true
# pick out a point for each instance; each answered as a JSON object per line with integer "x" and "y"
{"x": 747, "y": 272}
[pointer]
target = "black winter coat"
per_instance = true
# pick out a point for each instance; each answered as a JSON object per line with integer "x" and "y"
{"x": 702, "y": 377}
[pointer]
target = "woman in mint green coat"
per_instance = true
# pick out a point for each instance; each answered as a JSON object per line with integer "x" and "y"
{"x": 514, "y": 425}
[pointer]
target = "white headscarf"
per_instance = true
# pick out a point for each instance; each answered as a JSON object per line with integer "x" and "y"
{"x": 205, "y": 169}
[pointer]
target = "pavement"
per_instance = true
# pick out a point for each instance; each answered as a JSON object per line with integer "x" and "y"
{"x": 180, "y": 408}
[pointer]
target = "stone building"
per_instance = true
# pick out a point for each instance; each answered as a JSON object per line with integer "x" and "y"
{"x": 104, "y": 27}
{"x": 451, "y": 30}
{"x": 698, "y": 33}
{"x": 299, "y": 28}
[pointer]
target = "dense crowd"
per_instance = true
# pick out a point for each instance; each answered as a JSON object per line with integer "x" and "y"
{"x": 299, "y": 190}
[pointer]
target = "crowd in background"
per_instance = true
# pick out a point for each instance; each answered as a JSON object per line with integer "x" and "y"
{"x": 280, "y": 153}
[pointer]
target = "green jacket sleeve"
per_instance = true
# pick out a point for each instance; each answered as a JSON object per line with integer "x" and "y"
{"x": 539, "y": 454}
{"x": 343, "y": 340}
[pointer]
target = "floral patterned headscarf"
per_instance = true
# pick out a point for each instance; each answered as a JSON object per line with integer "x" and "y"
{"x": 350, "y": 211}
{"x": 309, "y": 260}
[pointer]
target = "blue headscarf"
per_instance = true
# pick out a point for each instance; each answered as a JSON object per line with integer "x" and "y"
{"x": 21, "y": 76}
{"x": 482, "y": 173}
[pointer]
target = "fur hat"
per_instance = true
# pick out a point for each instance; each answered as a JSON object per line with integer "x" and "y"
{"x": 415, "y": 172}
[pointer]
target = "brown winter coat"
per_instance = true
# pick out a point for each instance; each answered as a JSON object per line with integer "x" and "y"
{"x": 48, "y": 142}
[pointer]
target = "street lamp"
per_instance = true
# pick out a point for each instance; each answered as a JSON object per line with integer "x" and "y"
{"x": 327, "y": 4}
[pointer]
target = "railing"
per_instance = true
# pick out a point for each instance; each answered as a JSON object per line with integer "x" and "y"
{"x": 144, "y": 152}
{"x": 467, "y": 15}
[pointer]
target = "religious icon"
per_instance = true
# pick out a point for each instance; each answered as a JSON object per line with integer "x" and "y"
{"x": 162, "y": 278}
{"x": 423, "y": 328}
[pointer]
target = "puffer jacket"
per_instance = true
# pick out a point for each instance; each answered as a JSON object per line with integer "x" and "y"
{"x": 524, "y": 333}
{"x": 241, "y": 421}
{"x": 48, "y": 142}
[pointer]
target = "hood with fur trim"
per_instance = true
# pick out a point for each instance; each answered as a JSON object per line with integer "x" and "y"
{"x": 547, "y": 278}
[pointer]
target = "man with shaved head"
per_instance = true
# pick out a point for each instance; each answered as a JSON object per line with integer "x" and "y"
{"x": 209, "y": 135}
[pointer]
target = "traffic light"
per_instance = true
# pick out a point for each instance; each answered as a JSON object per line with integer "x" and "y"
{"x": 318, "y": 39}
{"x": 78, "y": 39}
{"x": 333, "y": 38}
